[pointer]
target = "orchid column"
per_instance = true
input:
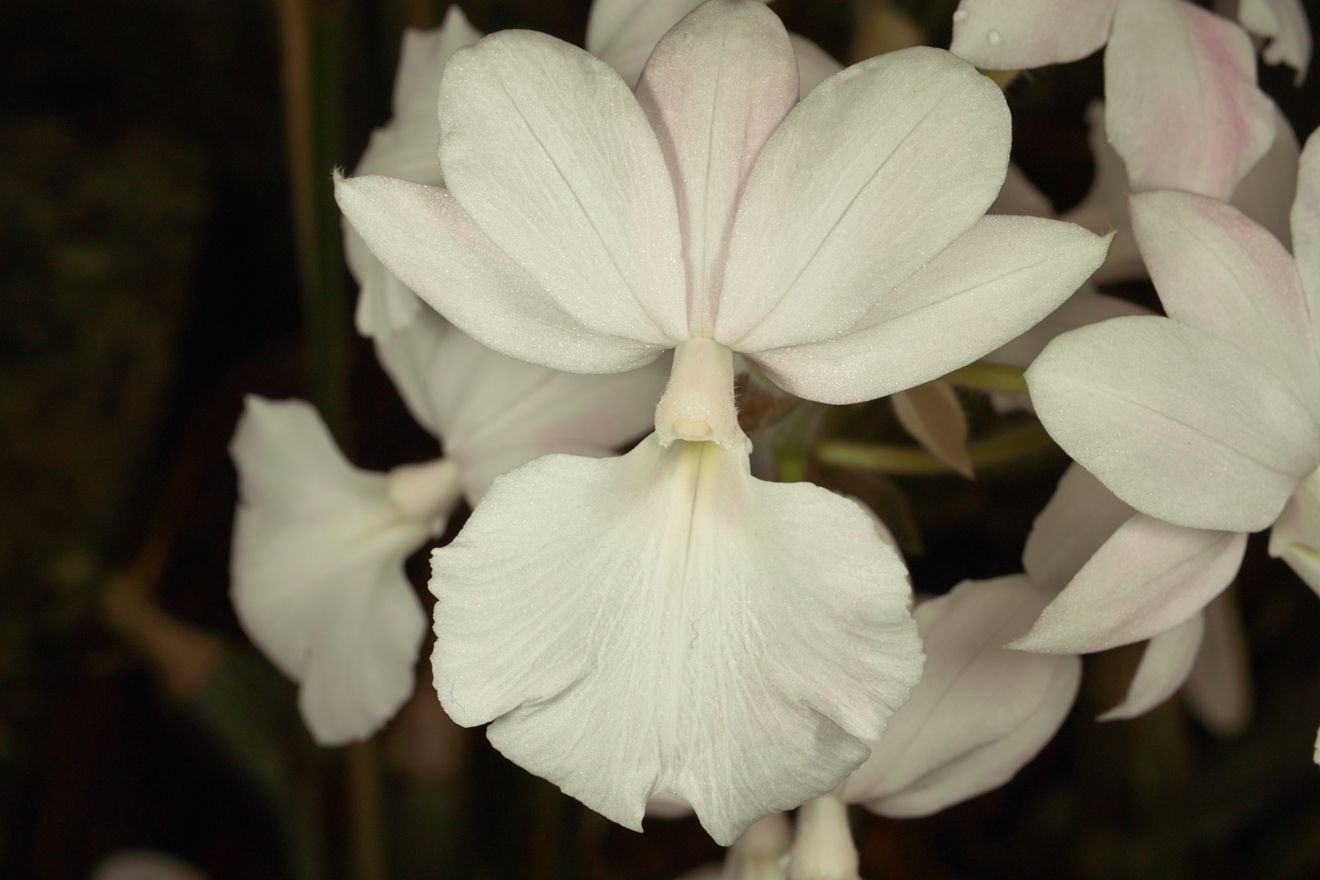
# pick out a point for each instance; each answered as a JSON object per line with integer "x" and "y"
{"x": 664, "y": 622}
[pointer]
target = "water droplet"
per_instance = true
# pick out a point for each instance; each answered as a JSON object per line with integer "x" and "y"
{"x": 994, "y": 38}
{"x": 960, "y": 16}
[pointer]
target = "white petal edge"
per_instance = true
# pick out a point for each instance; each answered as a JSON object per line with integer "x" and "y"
{"x": 423, "y": 236}
{"x": 1305, "y": 222}
{"x": 1165, "y": 666}
{"x": 1148, "y": 578}
{"x": 1015, "y": 35}
{"x": 990, "y": 285}
{"x": 1285, "y": 25}
{"x": 1179, "y": 423}
{"x": 1078, "y": 519}
{"x": 980, "y": 712}
{"x": 646, "y": 624}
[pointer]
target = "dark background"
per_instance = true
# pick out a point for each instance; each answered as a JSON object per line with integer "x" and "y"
{"x": 149, "y": 278}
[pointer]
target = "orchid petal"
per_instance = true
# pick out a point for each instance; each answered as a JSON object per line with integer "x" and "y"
{"x": 1013, "y": 35}
{"x": 496, "y": 413}
{"x": 980, "y": 711}
{"x": 1149, "y": 577}
{"x": 1165, "y": 665}
{"x": 1295, "y": 537}
{"x": 317, "y": 571}
{"x": 1078, "y": 519}
{"x": 1305, "y": 223}
{"x": 1217, "y": 270}
{"x": 983, "y": 290}
{"x": 1085, "y": 307}
{"x": 623, "y": 33}
{"x": 668, "y": 624}
{"x": 1104, "y": 207}
{"x": 1266, "y": 194}
{"x": 934, "y": 417}
{"x": 871, "y": 175}
{"x": 1180, "y": 424}
{"x": 422, "y": 235}
{"x": 1219, "y": 691}
{"x": 814, "y": 64}
{"x": 404, "y": 148}
{"x": 1285, "y": 25}
{"x": 550, "y": 154}
{"x": 1182, "y": 107}
{"x": 714, "y": 89}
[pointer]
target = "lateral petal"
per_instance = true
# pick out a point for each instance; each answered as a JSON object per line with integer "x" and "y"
{"x": 1217, "y": 270}
{"x": 1295, "y": 537}
{"x": 1165, "y": 666}
{"x": 1179, "y": 423}
{"x": 714, "y": 89}
{"x": 990, "y": 285}
{"x": 875, "y": 172}
{"x": 1182, "y": 106}
{"x": 549, "y": 152}
{"x": 814, "y": 64}
{"x": 1014, "y": 35}
{"x": 1079, "y": 518}
{"x": 980, "y": 711}
{"x": 425, "y": 238}
{"x": 317, "y": 571}
{"x": 1148, "y": 578}
{"x": 1219, "y": 690}
{"x": 1306, "y": 224}
{"x": 663, "y": 623}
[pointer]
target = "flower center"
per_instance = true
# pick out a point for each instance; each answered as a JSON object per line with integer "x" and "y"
{"x": 698, "y": 404}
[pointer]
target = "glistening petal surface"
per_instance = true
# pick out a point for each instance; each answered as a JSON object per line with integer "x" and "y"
{"x": 1018, "y": 34}
{"x": 549, "y": 152}
{"x": 1179, "y": 423}
{"x": 714, "y": 89}
{"x": 1149, "y": 577}
{"x": 983, "y": 290}
{"x": 426, "y": 239}
{"x": 664, "y": 623}
{"x": 980, "y": 712}
{"x": 317, "y": 571}
{"x": 1181, "y": 103}
{"x": 871, "y": 175}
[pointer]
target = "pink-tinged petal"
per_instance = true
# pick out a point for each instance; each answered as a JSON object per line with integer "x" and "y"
{"x": 1219, "y": 692}
{"x": 1179, "y": 423}
{"x": 1266, "y": 194}
{"x": 871, "y": 175}
{"x": 714, "y": 89}
{"x": 1079, "y": 518}
{"x": 1165, "y": 665}
{"x": 1305, "y": 223}
{"x": 1018, "y": 34}
{"x": 424, "y": 237}
{"x": 1217, "y": 270}
{"x": 404, "y": 148}
{"x": 1182, "y": 107}
{"x": 1295, "y": 537}
{"x": 1285, "y": 25}
{"x": 495, "y": 413}
{"x": 317, "y": 571}
{"x": 662, "y": 622}
{"x": 814, "y": 64}
{"x": 548, "y": 151}
{"x": 992, "y": 283}
{"x": 980, "y": 712}
{"x": 623, "y": 33}
{"x": 1149, "y": 577}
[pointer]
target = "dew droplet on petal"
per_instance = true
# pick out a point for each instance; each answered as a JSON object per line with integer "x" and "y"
{"x": 994, "y": 38}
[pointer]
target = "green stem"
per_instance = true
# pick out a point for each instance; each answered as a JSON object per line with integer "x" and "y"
{"x": 1009, "y": 445}
{"x": 989, "y": 376}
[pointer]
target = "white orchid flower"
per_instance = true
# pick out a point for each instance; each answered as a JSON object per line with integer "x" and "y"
{"x": 1206, "y": 655}
{"x": 319, "y": 546}
{"x": 1182, "y": 106}
{"x": 1283, "y": 23}
{"x": 663, "y": 622}
{"x": 1206, "y": 422}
